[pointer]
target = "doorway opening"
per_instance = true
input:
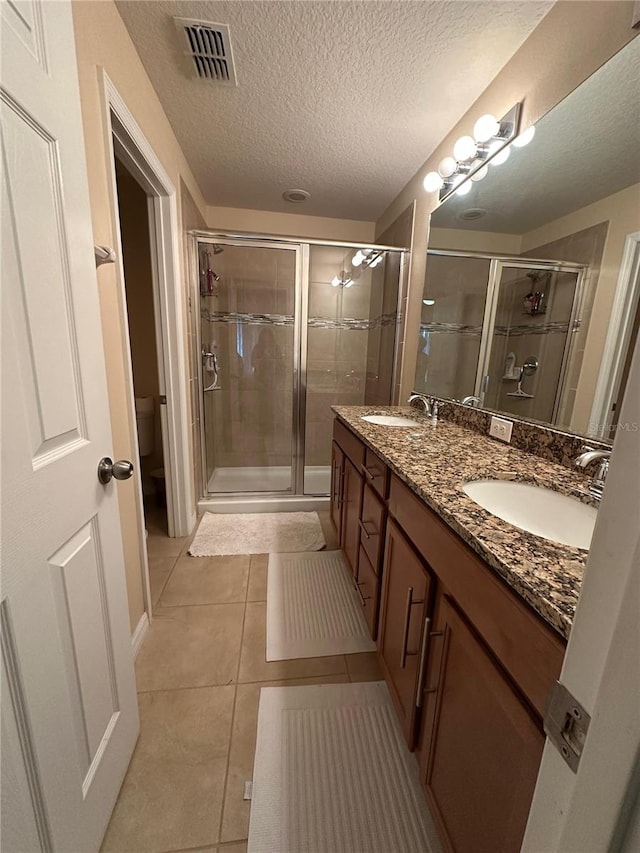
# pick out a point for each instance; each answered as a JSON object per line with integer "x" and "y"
{"x": 135, "y": 233}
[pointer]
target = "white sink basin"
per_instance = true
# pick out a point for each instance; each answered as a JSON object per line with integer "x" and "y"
{"x": 544, "y": 512}
{"x": 389, "y": 420}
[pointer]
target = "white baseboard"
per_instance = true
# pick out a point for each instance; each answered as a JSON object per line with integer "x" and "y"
{"x": 138, "y": 635}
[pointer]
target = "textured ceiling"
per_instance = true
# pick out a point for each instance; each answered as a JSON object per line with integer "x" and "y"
{"x": 585, "y": 149}
{"x": 344, "y": 99}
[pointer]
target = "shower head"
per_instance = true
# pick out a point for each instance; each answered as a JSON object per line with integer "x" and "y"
{"x": 213, "y": 274}
{"x": 217, "y": 249}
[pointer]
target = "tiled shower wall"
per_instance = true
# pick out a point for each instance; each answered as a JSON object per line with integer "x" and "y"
{"x": 583, "y": 247}
{"x": 451, "y": 328}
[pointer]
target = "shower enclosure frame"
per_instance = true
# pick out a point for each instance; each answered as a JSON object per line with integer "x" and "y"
{"x": 496, "y": 267}
{"x": 302, "y": 247}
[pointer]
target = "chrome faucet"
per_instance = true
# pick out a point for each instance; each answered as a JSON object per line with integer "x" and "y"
{"x": 470, "y": 400}
{"x": 589, "y": 455}
{"x": 420, "y": 398}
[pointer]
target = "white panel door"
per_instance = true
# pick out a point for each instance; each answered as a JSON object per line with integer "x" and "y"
{"x": 69, "y": 709}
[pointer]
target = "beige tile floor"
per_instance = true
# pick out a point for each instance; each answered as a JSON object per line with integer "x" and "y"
{"x": 199, "y": 675}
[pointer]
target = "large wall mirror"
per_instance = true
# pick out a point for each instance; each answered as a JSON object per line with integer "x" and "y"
{"x": 532, "y": 290}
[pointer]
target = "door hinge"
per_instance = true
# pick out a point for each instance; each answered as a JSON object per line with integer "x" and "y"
{"x": 566, "y": 724}
{"x": 163, "y": 400}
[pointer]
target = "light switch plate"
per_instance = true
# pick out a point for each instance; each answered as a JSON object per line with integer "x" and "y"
{"x": 501, "y": 429}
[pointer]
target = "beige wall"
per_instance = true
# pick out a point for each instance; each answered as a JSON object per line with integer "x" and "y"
{"x": 486, "y": 242}
{"x": 289, "y": 224}
{"x": 192, "y": 219}
{"x": 622, "y": 213}
{"x": 571, "y": 42}
{"x": 102, "y": 41}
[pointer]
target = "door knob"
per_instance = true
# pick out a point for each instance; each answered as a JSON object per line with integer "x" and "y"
{"x": 120, "y": 470}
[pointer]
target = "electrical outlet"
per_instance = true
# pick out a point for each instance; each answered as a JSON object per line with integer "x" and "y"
{"x": 501, "y": 429}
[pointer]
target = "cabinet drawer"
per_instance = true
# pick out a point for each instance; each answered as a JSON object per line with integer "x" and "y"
{"x": 528, "y": 649}
{"x": 372, "y": 527}
{"x": 376, "y": 473}
{"x": 369, "y": 592}
{"x": 351, "y": 445}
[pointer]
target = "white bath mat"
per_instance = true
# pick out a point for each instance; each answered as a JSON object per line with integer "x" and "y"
{"x": 257, "y": 533}
{"x": 332, "y": 774}
{"x": 312, "y": 608}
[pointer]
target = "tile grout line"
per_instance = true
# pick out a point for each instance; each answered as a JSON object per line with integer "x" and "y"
{"x": 233, "y": 710}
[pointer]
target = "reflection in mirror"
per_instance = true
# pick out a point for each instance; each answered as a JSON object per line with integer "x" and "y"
{"x": 532, "y": 290}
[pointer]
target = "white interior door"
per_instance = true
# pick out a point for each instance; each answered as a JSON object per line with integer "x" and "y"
{"x": 69, "y": 710}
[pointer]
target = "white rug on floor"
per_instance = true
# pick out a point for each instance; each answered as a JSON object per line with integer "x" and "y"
{"x": 257, "y": 533}
{"x": 332, "y": 774}
{"x": 313, "y": 609}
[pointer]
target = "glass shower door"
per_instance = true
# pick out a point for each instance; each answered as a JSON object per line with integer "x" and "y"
{"x": 453, "y": 308}
{"x": 526, "y": 353}
{"x": 247, "y": 305}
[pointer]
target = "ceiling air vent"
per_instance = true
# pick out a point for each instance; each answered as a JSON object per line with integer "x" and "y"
{"x": 208, "y": 50}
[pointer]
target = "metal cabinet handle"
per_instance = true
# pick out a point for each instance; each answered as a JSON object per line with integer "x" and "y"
{"x": 369, "y": 473}
{"x": 424, "y": 654}
{"x": 405, "y": 629}
{"x": 364, "y": 529}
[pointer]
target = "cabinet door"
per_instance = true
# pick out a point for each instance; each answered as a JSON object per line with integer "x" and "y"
{"x": 351, "y": 514}
{"x": 482, "y": 745}
{"x": 337, "y": 478}
{"x": 405, "y": 600}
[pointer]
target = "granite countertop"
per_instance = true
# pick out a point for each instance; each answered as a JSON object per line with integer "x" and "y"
{"x": 435, "y": 460}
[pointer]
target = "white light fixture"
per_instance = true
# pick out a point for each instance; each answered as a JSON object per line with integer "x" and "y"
{"x": 432, "y": 182}
{"x": 447, "y": 167}
{"x": 503, "y": 153}
{"x": 486, "y": 128}
{"x": 429, "y": 302}
{"x": 526, "y": 137}
{"x": 464, "y": 188}
{"x": 490, "y": 141}
{"x": 335, "y": 282}
{"x": 465, "y": 149}
{"x": 480, "y": 174}
{"x": 357, "y": 259}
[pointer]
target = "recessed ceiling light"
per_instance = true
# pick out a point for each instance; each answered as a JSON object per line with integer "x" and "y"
{"x": 472, "y": 213}
{"x": 295, "y": 196}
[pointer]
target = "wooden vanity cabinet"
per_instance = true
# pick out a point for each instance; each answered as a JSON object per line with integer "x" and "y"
{"x": 405, "y": 607}
{"x": 337, "y": 478}
{"x": 482, "y": 744}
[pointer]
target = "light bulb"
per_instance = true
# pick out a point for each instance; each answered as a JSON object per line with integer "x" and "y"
{"x": 526, "y": 137}
{"x": 447, "y": 167}
{"x": 480, "y": 174}
{"x": 432, "y": 182}
{"x": 465, "y": 149}
{"x": 485, "y": 128}
{"x": 428, "y": 301}
{"x": 335, "y": 282}
{"x": 464, "y": 188}
{"x": 357, "y": 259}
{"x": 503, "y": 153}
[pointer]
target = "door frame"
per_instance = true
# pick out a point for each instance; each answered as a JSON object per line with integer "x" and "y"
{"x": 625, "y": 304}
{"x": 124, "y": 136}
